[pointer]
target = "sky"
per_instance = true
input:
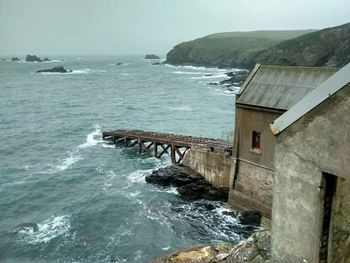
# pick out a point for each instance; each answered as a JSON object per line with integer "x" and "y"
{"x": 125, "y": 27}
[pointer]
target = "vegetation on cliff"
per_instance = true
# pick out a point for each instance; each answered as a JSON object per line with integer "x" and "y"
{"x": 327, "y": 47}
{"x": 233, "y": 49}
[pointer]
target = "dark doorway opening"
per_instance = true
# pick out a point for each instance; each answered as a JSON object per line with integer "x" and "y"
{"x": 328, "y": 187}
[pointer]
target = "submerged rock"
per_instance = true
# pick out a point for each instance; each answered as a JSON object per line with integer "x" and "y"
{"x": 33, "y": 58}
{"x": 57, "y": 69}
{"x": 15, "y": 59}
{"x": 191, "y": 185}
{"x": 157, "y": 63}
{"x": 46, "y": 59}
{"x": 151, "y": 56}
{"x": 33, "y": 226}
{"x": 119, "y": 64}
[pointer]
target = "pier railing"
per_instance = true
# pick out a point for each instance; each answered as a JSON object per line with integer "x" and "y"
{"x": 161, "y": 143}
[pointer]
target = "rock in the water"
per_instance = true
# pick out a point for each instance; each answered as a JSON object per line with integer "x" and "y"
{"x": 33, "y": 226}
{"x": 173, "y": 176}
{"x": 46, "y": 59}
{"x": 33, "y": 58}
{"x": 119, "y": 64}
{"x": 156, "y": 63}
{"x": 15, "y": 59}
{"x": 235, "y": 78}
{"x": 151, "y": 56}
{"x": 191, "y": 185}
{"x": 57, "y": 69}
{"x": 252, "y": 218}
{"x": 203, "y": 190}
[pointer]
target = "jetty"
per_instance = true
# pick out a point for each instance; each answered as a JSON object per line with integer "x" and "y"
{"x": 159, "y": 143}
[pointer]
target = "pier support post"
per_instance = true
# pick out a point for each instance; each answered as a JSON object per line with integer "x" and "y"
{"x": 156, "y": 150}
{"x": 173, "y": 154}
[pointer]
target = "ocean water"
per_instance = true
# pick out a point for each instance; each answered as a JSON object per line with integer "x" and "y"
{"x": 67, "y": 196}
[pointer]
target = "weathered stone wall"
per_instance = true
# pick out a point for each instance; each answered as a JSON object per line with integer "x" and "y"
{"x": 340, "y": 224}
{"x": 215, "y": 167}
{"x": 252, "y": 189}
{"x": 252, "y": 174}
{"x": 249, "y": 119}
{"x": 316, "y": 143}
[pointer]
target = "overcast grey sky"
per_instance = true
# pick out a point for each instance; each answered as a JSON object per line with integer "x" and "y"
{"x": 49, "y": 27}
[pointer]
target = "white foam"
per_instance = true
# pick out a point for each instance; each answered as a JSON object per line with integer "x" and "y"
{"x": 54, "y": 61}
{"x": 181, "y": 108}
{"x": 68, "y": 161}
{"x": 49, "y": 229}
{"x": 139, "y": 175}
{"x": 90, "y": 138}
{"x": 211, "y": 77}
{"x": 76, "y": 71}
{"x": 196, "y": 68}
{"x": 188, "y": 73}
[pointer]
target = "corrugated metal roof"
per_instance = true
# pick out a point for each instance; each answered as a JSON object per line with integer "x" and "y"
{"x": 281, "y": 87}
{"x": 313, "y": 99}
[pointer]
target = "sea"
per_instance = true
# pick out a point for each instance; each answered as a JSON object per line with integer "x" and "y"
{"x": 68, "y": 196}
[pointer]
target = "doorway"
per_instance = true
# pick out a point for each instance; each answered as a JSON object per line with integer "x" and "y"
{"x": 328, "y": 187}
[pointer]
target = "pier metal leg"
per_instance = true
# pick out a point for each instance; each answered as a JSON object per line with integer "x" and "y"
{"x": 140, "y": 146}
{"x": 165, "y": 150}
{"x": 173, "y": 154}
{"x": 156, "y": 150}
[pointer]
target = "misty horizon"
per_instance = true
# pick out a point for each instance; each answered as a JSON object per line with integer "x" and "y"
{"x": 105, "y": 28}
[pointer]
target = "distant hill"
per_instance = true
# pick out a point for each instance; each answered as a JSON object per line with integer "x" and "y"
{"x": 327, "y": 47}
{"x": 231, "y": 49}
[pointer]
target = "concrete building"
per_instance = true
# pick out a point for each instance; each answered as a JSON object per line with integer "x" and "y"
{"x": 268, "y": 92}
{"x": 311, "y": 186}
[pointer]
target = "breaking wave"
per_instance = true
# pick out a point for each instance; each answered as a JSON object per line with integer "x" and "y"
{"x": 45, "y": 231}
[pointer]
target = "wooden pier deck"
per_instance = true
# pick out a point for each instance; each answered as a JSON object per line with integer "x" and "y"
{"x": 162, "y": 143}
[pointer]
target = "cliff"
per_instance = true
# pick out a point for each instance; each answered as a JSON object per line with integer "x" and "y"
{"x": 327, "y": 47}
{"x": 232, "y": 49}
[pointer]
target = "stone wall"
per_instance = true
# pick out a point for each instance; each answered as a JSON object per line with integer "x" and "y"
{"x": 252, "y": 188}
{"x": 340, "y": 224}
{"x": 215, "y": 167}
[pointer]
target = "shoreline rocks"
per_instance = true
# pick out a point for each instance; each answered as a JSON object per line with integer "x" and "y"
{"x": 255, "y": 249}
{"x": 190, "y": 185}
{"x": 57, "y": 69}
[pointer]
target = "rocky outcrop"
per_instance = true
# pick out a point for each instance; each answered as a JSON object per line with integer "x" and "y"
{"x": 190, "y": 185}
{"x": 151, "y": 56}
{"x": 329, "y": 47}
{"x": 227, "y": 50}
{"x": 255, "y": 249}
{"x": 58, "y": 69}
{"x": 33, "y": 58}
{"x": 46, "y": 59}
{"x": 15, "y": 59}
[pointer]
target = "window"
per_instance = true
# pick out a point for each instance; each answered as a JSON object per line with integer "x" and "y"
{"x": 256, "y": 142}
